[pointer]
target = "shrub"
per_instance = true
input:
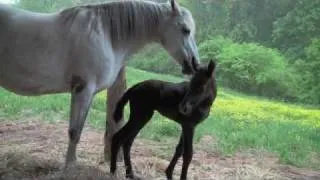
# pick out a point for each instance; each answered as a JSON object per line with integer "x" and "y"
{"x": 251, "y": 68}
{"x": 213, "y": 47}
{"x": 154, "y": 58}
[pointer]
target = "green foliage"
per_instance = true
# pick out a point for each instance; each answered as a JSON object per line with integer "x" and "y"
{"x": 154, "y": 58}
{"x": 288, "y": 25}
{"x": 310, "y": 73}
{"x": 250, "y": 67}
{"x": 252, "y": 20}
{"x": 213, "y": 47}
{"x": 237, "y": 121}
{"x": 295, "y": 30}
{"x": 211, "y": 17}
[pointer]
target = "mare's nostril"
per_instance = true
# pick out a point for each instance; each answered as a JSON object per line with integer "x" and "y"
{"x": 187, "y": 67}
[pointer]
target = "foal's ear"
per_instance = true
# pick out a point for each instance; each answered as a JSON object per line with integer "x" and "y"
{"x": 211, "y": 68}
{"x": 175, "y": 8}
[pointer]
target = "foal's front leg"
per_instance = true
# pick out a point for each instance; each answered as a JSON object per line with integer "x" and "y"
{"x": 177, "y": 155}
{"x": 188, "y": 132}
{"x": 81, "y": 98}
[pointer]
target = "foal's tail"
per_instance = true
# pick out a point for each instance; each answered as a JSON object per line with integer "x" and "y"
{"x": 118, "y": 113}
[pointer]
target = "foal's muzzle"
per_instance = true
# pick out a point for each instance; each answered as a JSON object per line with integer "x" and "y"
{"x": 185, "y": 108}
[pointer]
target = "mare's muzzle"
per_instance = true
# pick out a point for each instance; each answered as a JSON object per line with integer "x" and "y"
{"x": 190, "y": 67}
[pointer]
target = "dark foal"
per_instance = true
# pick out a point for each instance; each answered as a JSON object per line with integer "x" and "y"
{"x": 187, "y": 103}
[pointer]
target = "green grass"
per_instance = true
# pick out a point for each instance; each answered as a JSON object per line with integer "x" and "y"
{"x": 238, "y": 121}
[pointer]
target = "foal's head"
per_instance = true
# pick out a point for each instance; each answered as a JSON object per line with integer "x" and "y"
{"x": 177, "y": 37}
{"x": 202, "y": 86}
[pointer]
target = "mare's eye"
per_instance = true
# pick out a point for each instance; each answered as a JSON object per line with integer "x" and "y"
{"x": 186, "y": 31}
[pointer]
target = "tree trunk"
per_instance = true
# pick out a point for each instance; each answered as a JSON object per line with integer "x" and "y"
{"x": 114, "y": 93}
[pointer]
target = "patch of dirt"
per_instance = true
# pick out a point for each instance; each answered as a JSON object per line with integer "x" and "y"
{"x": 36, "y": 150}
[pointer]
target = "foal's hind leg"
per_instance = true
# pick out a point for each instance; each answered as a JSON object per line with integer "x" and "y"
{"x": 125, "y": 137}
{"x": 174, "y": 160}
{"x": 137, "y": 122}
{"x": 81, "y": 99}
{"x": 117, "y": 140}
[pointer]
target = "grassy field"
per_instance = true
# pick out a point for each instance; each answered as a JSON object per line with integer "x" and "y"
{"x": 237, "y": 121}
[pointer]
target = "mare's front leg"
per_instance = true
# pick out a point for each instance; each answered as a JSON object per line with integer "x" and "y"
{"x": 188, "y": 132}
{"x": 81, "y": 98}
{"x": 177, "y": 155}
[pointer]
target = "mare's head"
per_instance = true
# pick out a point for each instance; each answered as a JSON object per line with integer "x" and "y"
{"x": 177, "y": 36}
{"x": 202, "y": 87}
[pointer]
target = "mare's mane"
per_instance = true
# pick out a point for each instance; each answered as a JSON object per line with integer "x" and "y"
{"x": 123, "y": 19}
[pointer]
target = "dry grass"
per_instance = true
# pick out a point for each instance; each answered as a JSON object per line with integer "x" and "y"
{"x": 34, "y": 150}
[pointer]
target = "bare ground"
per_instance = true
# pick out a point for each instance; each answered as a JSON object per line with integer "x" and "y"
{"x": 35, "y": 150}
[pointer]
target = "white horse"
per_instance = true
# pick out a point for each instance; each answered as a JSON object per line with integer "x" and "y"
{"x": 82, "y": 49}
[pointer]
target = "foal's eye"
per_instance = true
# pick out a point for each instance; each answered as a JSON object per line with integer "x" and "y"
{"x": 186, "y": 30}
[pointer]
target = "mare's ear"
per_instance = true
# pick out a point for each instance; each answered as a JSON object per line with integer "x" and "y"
{"x": 211, "y": 68}
{"x": 175, "y": 8}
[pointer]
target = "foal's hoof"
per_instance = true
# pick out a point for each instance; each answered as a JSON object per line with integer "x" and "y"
{"x": 69, "y": 165}
{"x": 70, "y": 162}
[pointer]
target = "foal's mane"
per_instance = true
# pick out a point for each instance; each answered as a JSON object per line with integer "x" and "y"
{"x": 124, "y": 19}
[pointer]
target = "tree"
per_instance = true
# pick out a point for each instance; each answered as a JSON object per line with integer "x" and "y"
{"x": 310, "y": 73}
{"x": 293, "y": 32}
{"x": 211, "y": 17}
{"x": 252, "y": 20}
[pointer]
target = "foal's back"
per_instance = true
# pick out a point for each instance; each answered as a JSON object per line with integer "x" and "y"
{"x": 154, "y": 94}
